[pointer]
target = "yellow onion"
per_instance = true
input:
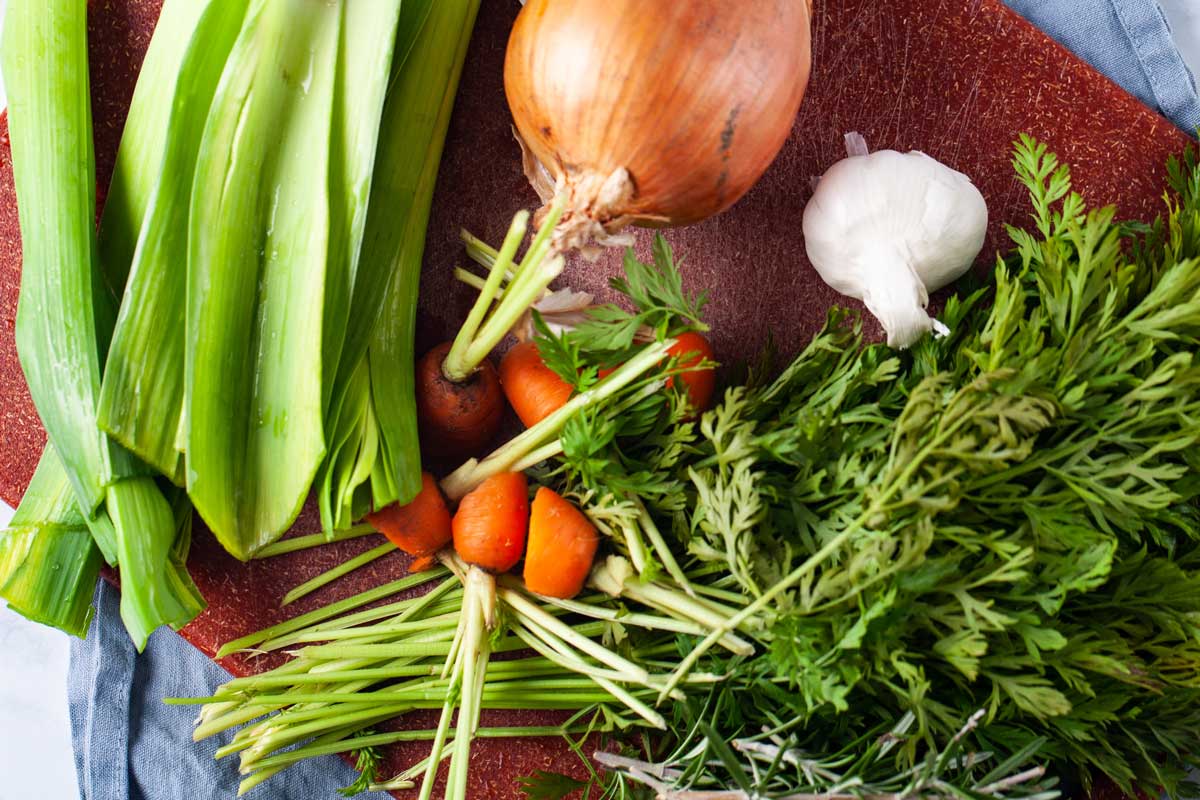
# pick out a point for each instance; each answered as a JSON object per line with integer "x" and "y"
{"x": 652, "y": 112}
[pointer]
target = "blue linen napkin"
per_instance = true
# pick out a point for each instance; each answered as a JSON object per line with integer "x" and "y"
{"x": 129, "y": 746}
{"x": 1130, "y": 42}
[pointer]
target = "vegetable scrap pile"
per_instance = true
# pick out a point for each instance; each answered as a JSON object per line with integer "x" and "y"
{"x": 968, "y": 569}
{"x": 240, "y": 331}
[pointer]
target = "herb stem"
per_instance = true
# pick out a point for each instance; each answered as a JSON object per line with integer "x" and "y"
{"x": 331, "y": 575}
{"x": 295, "y": 543}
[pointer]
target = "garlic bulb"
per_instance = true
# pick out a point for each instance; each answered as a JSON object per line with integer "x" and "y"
{"x": 888, "y": 228}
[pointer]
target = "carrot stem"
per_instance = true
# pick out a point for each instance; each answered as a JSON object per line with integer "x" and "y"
{"x": 295, "y": 543}
{"x": 516, "y": 601}
{"x": 394, "y": 612}
{"x": 457, "y": 367}
{"x": 468, "y": 681}
{"x": 482, "y": 331}
{"x": 522, "y": 293}
{"x": 796, "y": 575}
{"x": 439, "y": 614}
{"x": 480, "y": 251}
{"x": 473, "y": 280}
{"x": 636, "y": 619}
{"x": 557, "y": 651}
{"x": 665, "y": 556}
{"x": 329, "y": 611}
{"x": 331, "y": 575}
{"x": 535, "y": 457}
{"x": 391, "y": 737}
{"x": 439, "y": 743}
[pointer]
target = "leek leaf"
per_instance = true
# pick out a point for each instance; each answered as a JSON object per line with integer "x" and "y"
{"x": 140, "y": 155}
{"x": 363, "y": 80}
{"x": 363, "y": 72}
{"x": 403, "y": 145}
{"x": 65, "y": 313}
{"x": 160, "y": 595}
{"x": 44, "y": 61}
{"x": 141, "y": 398}
{"x": 48, "y": 561}
{"x": 258, "y": 240}
{"x": 414, "y": 128}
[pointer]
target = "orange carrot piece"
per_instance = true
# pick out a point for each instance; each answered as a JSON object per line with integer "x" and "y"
{"x": 562, "y": 544}
{"x": 532, "y": 388}
{"x": 420, "y": 528}
{"x": 456, "y": 419}
{"x": 692, "y": 349}
{"x": 489, "y": 527}
{"x": 423, "y": 564}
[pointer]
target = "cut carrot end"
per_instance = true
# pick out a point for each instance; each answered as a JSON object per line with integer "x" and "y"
{"x": 489, "y": 527}
{"x": 457, "y": 419}
{"x": 691, "y": 349}
{"x": 532, "y": 388}
{"x": 562, "y": 545}
{"x": 422, "y": 564}
{"x": 419, "y": 528}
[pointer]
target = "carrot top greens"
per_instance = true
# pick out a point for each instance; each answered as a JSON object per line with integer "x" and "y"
{"x": 966, "y": 570}
{"x": 1004, "y": 519}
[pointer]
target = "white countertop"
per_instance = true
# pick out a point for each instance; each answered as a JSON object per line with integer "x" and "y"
{"x": 35, "y": 760}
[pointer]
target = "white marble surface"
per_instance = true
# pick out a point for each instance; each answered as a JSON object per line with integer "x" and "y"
{"x": 35, "y": 759}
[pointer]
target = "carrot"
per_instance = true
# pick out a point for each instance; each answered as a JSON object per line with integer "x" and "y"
{"x": 457, "y": 418}
{"x": 532, "y": 388}
{"x": 562, "y": 544}
{"x": 489, "y": 527}
{"x": 692, "y": 349}
{"x": 459, "y": 400}
{"x": 421, "y": 527}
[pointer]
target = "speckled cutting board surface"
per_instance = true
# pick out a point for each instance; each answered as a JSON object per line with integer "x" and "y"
{"x": 958, "y": 79}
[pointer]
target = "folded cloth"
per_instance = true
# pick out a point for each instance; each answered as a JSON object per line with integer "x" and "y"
{"x": 128, "y": 745}
{"x": 1130, "y": 42}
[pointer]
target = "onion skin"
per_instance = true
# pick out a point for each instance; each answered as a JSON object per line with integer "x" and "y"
{"x": 693, "y": 98}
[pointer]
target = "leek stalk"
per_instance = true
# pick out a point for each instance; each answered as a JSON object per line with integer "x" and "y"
{"x": 372, "y": 412}
{"x": 48, "y": 561}
{"x": 64, "y": 313}
{"x": 258, "y": 239}
{"x": 141, "y": 398}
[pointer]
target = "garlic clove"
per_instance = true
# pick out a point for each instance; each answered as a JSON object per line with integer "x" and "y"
{"x": 896, "y": 296}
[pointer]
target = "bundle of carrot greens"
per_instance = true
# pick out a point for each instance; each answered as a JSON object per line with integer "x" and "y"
{"x": 966, "y": 570}
{"x": 239, "y": 332}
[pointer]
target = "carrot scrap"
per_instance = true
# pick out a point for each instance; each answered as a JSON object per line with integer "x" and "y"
{"x": 489, "y": 527}
{"x": 420, "y": 527}
{"x": 562, "y": 544}
{"x": 532, "y": 388}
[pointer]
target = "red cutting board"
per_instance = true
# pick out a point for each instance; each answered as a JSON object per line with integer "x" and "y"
{"x": 958, "y": 80}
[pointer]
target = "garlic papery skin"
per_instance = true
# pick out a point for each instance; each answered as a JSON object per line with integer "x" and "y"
{"x": 889, "y": 228}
